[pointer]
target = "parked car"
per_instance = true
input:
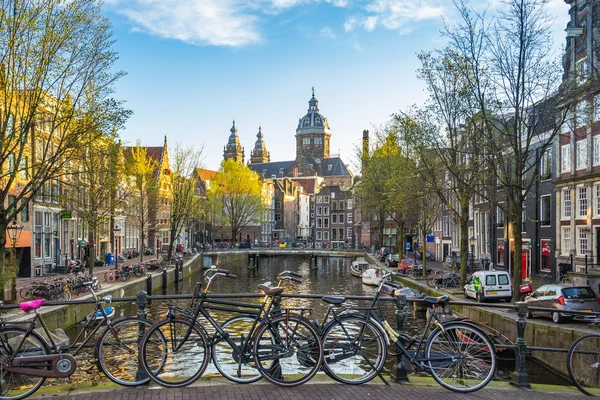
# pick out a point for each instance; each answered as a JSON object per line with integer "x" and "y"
{"x": 489, "y": 285}
{"x": 428, "y": 254}
{"x": 406, "y": 264}
{"x": 392, "y": 260}
{"x": 562, "y": 298}
{"x": 245, "y": 244}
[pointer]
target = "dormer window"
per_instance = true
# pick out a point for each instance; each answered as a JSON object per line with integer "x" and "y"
{"x": 273, "y": 176}
{"x": 329, "y": 167}
{"x": 306, "y": 122}
{"x": 318, "y": 122}
{"x": 281, "y": 171}
{"x": 264, "y": 171}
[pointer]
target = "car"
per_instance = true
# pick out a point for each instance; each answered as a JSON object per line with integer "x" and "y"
{"x": 405, "y": 265}
{"x": 562, "y": 298}
{"x": 428, "y": 254}
{"x": 489, "y": 285}
{"x": 392, "y": 260}
{"x": 246, "y": 244}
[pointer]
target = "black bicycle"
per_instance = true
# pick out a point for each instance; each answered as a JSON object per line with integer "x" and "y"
{"x": 282, "y": 345}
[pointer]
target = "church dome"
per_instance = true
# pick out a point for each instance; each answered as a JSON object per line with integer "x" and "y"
{"x": 313, "y": 121}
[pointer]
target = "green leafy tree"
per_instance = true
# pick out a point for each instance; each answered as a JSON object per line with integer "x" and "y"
{"x": 235, "y": 196}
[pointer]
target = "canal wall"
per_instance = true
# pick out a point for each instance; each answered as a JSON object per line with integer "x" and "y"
{"x": 537, "y": 333}
{"x": 66, "y": 316}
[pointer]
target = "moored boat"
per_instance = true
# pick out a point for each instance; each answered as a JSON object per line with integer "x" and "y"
{"x": 371, "y": 277}
{"x": 358, "y": 267}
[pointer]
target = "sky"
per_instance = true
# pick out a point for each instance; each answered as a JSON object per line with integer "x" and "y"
{"x": 195, "y": 65}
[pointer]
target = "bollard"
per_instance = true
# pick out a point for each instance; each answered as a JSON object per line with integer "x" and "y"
{"x": 399, "y": 371}
{"x": 164, "y": 279}
{"x": 520, "y": 378}
{"x": 176, "y": 271}
{"x": 149, "y": 285}
{"x": 142, "y": 302}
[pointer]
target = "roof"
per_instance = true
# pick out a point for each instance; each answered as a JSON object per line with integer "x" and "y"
{"x": 205, "y": 174}
{"x": 277, "y": 168}
{"x": 338, "y": 168}
{"x": 154, "y": 153}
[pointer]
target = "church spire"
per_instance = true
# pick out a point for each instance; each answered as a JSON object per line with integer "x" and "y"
{"x": 233, "y": 149}
{"x": 259, "y": 153}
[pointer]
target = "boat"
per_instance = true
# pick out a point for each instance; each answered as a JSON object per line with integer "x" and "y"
{"x": 358, "y": 267}
{"x": 371, "y": 277}
{"x": 389, "y": 287}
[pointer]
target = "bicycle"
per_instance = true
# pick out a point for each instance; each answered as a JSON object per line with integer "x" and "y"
{"x": 283, "y": 346}
{"x": 28, "y": 358}
{"x": 583, "y": 364}
{"x": 457, "y": 354}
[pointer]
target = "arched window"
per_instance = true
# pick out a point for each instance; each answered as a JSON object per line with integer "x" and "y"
{"x": 306, "y": 122}
{"x": 318, "y": 122}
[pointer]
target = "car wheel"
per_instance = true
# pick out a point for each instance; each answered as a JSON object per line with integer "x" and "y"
{"x": 557, "y": 318}
{"x": 528, "y": 314}
{"x": 479, "y": 298}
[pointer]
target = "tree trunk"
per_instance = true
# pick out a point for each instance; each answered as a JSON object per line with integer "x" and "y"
{"x": 171, "y": 242}
{"x": 423, "y": 253}
{"x": 518, "y": 251}
{"x": 3, "y": 261}
{"x": 400, "y": 241}
{"x": 233, "y": 235}
{"x": 464, "y": 243}
{"x": 143, "y": 249}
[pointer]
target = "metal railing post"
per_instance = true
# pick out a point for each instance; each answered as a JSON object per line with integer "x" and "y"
{"x": 399, "y": 371}
{"x": 519, "y": 377}
{"x": 142, "y": 302}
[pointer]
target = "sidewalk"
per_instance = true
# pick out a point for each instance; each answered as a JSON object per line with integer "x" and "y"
{"x": 326, "y": 391}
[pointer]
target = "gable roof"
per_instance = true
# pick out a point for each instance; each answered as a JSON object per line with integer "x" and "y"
{"x": 205, "y": 174}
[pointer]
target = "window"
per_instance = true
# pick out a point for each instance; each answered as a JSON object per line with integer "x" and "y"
{"x": 319, "y": 210}
{"x": 566, "y": 240}
{"x": 319, "y": 221}
{"x": 597, "y": 200}
{"x": 326, "y": 235}
{"x": 341, "y": 234}
{"x": 334, "y": 218}
{"x": 349, "y": 218}
{"x": 305, "y": 140}
{"x": 12, "y": 204}
{"x": 319, "y": 199}
{"x": 546, "y": 165}
{"x": 318, "y": 122}
{"x": 341, "y": 218}
{"x": 499, "y": 217}
{"x": 582, "y": 116}
{"x": 333, "y": 205}
{"x": 349, "y": 233}
{"x": 325, "y": 210}
{"x": 582, "y": 201}
{"x": 565, "y": 127}
{"x": 278, "y": 205}
{"x": 342, "y": 204}
{"x": 546, "y": 255}
{"x": 566, "y": 203}
{"x": 329, "y": 167}
{"x": 326, "y": 199}
{"x": 319, "y": 233}
{"x": 565, "y": 158}
{"x": 350, "y": 204}
{"x": 503, "y": 279}
{"x": 318, "y": 140}
{"x": 277, "y": 217}
{"x": 583, "y": 242}
{"x": 582, "y": 154}
{"x": 23, "y": 167}
{"x": 25, "y": 211}
{"x": 596, "y": 149}
{"x": 10, "y": 125}
{"x": 545, "y": 210}
{"x": 325, "y": 222}
{"x": 334, "y": 234}
{"x": 11, "y": 163}
{"x": 490, "y": 280}
{"x": 597, "y": 108}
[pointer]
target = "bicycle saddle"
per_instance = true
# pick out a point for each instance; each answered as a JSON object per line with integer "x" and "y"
{"x": 442, "y": 300}
{"x": 32, "y": 305}
{"x": 270, "y": 291}
{"x": 333, "y": 299}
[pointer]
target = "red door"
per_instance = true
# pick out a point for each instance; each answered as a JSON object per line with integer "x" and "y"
{"x": 524, "y": 264}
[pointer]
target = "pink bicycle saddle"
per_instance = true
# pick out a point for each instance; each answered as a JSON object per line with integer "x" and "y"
{"x": 32, "y": 305}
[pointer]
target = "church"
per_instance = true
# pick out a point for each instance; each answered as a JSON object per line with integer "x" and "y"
{"x": 311, "y": 194}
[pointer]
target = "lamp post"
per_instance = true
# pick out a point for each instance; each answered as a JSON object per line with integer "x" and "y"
{"x": 472, "y": 241}
{"x": 14, "y": 232}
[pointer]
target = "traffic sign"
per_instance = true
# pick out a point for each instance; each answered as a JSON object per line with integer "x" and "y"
{"x": 65, "y": 214}
{"x": 82, "y": 243}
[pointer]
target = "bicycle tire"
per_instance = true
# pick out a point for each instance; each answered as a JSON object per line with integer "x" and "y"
{"x": 296, "y": 352}
{"x": 66, "y": 295}
{"x": 464, "y": 354}
{"x": 108, "y": 276}
{"x": 228, "y": 363}
{"x": 583, "y": 362}
{"x": 26, "y": 293}
{"x": 119, "y": 360}
{"x": 347, "y": 357}
{"x": 18, "y": 386}
{"x": 432, "y": 282}
{"x": 182, "y": 367}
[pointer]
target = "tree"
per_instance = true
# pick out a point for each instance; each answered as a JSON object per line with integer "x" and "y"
{"x": 513, "y": 84}
{"x": 55, "y": 84}
{"x": 184, "y": 206}
{"x": 235, "y": 196}
{"x": 99, "y": 190}
{"x": 142, "y": 189}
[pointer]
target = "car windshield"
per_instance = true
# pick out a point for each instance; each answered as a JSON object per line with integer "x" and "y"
{"x": 578, "y": 293}
{"x": 395, "y": 257}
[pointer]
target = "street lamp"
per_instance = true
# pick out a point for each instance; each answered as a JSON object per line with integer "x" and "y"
{"x": 14, "y": 232}
{"x": 472, "y": 241}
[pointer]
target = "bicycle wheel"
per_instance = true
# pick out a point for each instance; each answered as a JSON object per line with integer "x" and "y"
{"x": 26, "y": 293}
{"x": 583, "y": 363}
{"x": 173, "y": 353}
{"x": 287, "y": 350}
{"x": 461, "y": 357}
{"x": 354, "y": 349}
{"x": 66, "y": 295}
{"x": 235, "y": 367}
{"x": 14, "y": 385}
{"x": 432, "y": 280}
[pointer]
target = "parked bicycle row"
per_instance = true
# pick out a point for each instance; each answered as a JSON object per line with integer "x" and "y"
{"x": 266, "y": 340}
{"x": 59, "y": 288}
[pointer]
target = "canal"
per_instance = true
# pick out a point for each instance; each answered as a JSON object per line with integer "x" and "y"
{"x": 331, "y": 277}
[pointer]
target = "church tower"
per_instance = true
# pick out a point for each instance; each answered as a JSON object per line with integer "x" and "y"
{"x": 313, "y": 134}
{"x": 260, "y": 153}
{"x": 233, "y": 149}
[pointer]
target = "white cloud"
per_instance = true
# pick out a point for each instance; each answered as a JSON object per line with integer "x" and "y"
{"x": 327, "y": 33}
{"x": 350, "y": 24}
{"x": 339, "y": 3}
{"x": 397, "y": 14}
{"x": 370, "y": 23}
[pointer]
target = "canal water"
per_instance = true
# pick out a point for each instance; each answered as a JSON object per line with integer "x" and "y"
{"x": 332, "y": 277}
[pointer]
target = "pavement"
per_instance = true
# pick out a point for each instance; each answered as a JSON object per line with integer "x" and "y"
{"x": 325, "y": 391}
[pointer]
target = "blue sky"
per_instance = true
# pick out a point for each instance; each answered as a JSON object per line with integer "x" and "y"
{"x": 193, "y": 65}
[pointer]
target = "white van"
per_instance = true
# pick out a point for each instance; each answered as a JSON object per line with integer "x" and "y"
{"x": 488, "y": 285}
